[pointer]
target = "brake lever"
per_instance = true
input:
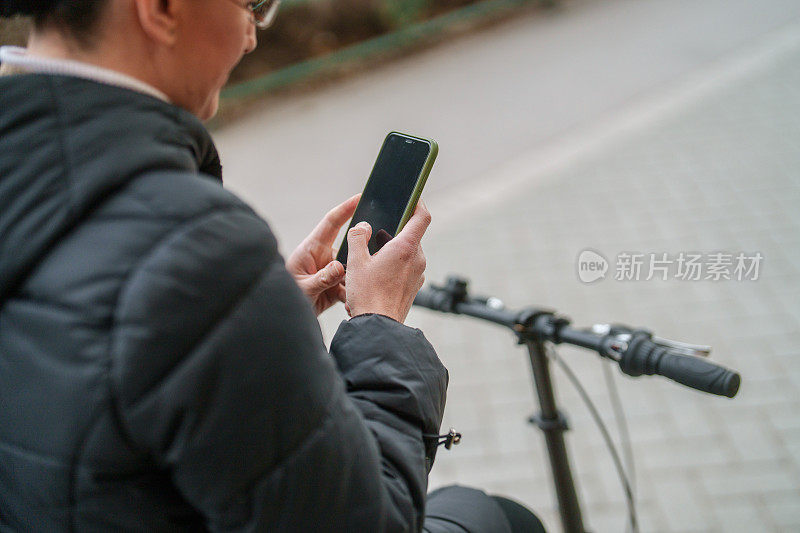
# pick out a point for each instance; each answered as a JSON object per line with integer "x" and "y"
{"x": 622, "y": 336}
{"x": 683, "y": 348}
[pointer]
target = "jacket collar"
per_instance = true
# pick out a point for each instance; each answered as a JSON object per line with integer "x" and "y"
{"x": 17, "y": 60}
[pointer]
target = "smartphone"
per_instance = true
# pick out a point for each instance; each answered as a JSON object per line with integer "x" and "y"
{"x": 393, "y": 188}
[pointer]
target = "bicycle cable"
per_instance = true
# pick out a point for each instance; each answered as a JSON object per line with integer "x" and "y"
{"x": 622, "y": 427}
{"x": 632, "y": 519}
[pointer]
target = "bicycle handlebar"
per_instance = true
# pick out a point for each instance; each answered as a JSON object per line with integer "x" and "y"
{"x": 634, "y": 350}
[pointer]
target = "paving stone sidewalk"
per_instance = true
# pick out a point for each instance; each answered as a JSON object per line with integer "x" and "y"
{"x": 720, "y": 174}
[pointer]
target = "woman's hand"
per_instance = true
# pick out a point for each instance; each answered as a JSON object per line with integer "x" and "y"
{"x": 312, "y": 265}
{"x": 386, "y": 282}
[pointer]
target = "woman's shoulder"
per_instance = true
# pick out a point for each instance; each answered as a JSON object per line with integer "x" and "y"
{"x": 178, "y": 194}
{"x": 173, "y": 200}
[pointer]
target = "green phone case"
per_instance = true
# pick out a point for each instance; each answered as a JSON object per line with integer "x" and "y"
{"x": 423, "y": 177}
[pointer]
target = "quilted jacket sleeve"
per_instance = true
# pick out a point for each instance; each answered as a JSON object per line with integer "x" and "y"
{"x": 220, "y": 373}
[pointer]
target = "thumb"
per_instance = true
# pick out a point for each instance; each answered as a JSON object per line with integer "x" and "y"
{"x": 357, "y": 239}
{"x": 328, "y": 277}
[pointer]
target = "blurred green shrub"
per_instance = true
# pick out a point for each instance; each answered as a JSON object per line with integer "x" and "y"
{"x": 400, "y": 13}
{"x": 306, "y": 29}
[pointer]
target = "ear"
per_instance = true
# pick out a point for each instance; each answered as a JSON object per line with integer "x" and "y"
{"x": 159, "y": 19}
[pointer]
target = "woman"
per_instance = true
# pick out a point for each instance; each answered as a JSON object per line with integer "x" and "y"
{"x": 160, "y": 367}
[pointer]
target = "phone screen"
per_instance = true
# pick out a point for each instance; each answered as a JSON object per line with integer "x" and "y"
{"x": 389, "y": 188}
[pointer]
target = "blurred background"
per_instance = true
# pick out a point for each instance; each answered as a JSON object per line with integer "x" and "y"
{"x": 638, "y": 126}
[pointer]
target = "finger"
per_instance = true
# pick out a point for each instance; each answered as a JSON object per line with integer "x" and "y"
{"x": 417, "y": 225}
{"x": 329, "y": 226}
{"x": 341, "y": 293}
{"x": 327, "y": 277}
{"x": 357, "y": 239}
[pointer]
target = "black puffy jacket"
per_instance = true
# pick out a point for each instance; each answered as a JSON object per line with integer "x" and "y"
{"x": 159, "y": 368}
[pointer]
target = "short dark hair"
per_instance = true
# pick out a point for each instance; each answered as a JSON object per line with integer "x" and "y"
{"x": 78, "y": 18}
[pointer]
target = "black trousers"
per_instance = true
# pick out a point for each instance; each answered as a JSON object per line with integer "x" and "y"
{"x": 457, "y": 509}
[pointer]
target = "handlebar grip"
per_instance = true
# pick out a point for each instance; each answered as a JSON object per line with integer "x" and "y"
{"x": 430, "y": 299}
{"x": 645, "y": 357}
